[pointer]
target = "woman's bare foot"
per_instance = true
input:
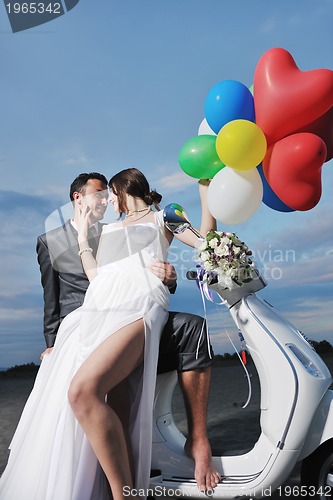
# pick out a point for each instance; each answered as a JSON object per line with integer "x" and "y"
{"x": 205, "y": 473}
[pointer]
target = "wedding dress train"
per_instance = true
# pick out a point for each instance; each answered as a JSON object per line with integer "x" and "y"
{"x": 50, "y": 457}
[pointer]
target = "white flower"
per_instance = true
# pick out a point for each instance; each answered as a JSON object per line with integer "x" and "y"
{"x": 225, "y": 254}
{"x": 213, "y": 243}
{"x": 225, "y": 240}
{"x": 222, "y": 250}
{"x": 208, "y": 266}
{"x": 205, "y": 256}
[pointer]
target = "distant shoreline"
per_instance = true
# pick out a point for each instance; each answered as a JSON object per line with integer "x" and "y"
{"x": 29, "y": 369}
{"x": 219, "y": 360}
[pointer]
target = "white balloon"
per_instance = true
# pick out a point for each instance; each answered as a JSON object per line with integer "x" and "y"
{"x": 204, "y": 128}
{"x": 233, "y": 196}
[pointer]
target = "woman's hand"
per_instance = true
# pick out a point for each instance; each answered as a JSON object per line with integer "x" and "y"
{"x": 83, "y": 222}
{"x": 89, "y": 263}
{"x": 47, "y": 352}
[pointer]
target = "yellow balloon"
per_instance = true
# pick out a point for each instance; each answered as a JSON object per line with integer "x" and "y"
{"x": 241, "y": 144}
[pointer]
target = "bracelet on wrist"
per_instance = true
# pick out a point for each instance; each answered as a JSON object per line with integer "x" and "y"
{"x": 88, "y": 249}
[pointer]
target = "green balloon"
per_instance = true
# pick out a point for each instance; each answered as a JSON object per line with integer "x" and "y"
{"x": 198, "y": 157}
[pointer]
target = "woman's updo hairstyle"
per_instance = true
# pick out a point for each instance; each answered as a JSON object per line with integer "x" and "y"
{"x": 153, "y": 198}
{"x": 131, "y": 181}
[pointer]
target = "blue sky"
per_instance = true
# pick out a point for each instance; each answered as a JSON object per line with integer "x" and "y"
{"x": 114, "y": 84}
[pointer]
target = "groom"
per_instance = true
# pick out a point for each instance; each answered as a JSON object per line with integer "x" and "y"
{"x": 64, "y": 283}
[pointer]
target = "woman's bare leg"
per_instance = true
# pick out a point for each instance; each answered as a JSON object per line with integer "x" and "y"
{"x": 104, "y": 369}
{"x": 119, "y": 400}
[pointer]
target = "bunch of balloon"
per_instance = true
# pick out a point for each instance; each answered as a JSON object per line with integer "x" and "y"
{"x": 264, "y": 143}
{"x": 236, "y": 147}
{"x": 294, "y": 109}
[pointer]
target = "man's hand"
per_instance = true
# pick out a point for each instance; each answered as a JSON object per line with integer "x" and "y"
{"x": 165, "y": 271}
{"x": 47, "y": 351}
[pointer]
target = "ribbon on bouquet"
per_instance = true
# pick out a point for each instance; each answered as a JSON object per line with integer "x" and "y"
{"x": 202, "y": 281}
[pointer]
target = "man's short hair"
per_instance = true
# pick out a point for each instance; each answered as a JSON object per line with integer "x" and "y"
{"x": 82, "y": 179}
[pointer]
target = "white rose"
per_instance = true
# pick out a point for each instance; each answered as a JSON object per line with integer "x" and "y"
{"x": 213, "y": 243}
{"x": 205, "y": 256}
{"x": 224, "y": 240}
{"x": 208, "y": 266}
{"x": 226, "y": 250}
{"x": 222, "y": 250}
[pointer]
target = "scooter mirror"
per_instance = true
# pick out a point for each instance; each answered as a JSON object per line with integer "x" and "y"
{"x": 176, "y": 220}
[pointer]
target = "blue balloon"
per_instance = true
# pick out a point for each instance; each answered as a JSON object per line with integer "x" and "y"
{"x": 270, "y": 198}
{"x": 226, "y": 101}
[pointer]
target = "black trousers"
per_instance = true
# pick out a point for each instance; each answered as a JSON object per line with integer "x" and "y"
{"x": 179, "y": 344}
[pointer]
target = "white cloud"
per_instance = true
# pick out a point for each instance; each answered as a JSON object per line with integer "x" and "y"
{"x": 17, "y": 315}
{"x": 176, "y": 182}
{"x": 78, "y": 160}
{"x": 311, "y": 316}
{"x": 69, "y": 154}
{"x": 54, "y": 192}
{"x": 294, "y": 21}
{"x": 299, "y": 254}
{"x": 268, "y": 26}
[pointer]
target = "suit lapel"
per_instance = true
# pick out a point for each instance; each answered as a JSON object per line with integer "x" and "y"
{"x": 71, "y": 236}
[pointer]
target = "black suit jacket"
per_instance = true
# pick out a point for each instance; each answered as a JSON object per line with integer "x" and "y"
{"x": 63, "y": 279}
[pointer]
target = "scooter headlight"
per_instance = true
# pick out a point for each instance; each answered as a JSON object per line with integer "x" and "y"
{"x": 306, "y": 362}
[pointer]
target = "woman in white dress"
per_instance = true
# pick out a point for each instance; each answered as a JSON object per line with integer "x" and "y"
{"x": 67, "y": 428}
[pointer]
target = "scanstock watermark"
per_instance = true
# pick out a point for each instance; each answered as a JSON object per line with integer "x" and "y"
{"x": 25, "y": 15}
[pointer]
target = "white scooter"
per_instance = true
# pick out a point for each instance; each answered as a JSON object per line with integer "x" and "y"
{"x": 296, "y": 408}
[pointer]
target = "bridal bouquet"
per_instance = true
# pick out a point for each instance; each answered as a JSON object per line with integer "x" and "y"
{"x": 225, "y": 256}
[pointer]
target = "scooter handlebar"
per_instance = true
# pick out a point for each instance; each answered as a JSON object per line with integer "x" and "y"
{"x": 191, "y": 275}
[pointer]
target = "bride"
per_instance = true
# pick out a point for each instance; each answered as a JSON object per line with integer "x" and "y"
{"x": 68, "y": 434}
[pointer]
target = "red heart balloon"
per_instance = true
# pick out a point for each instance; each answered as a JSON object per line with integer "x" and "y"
{"x": 287, "y": 99}
{"x": 324, "y": 128}
{"x": 292, "y": 167}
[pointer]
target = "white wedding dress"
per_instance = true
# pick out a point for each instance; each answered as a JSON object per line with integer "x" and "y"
{"x": 50, "y": 457}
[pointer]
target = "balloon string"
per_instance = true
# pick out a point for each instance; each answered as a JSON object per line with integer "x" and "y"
{"x": 205, "y": 293}
{"x": 243, "y": 365}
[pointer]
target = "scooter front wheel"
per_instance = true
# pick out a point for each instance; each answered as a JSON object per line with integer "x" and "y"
{"x": 317, "y": 473}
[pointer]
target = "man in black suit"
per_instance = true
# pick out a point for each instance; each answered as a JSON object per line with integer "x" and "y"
{"x": 65, "y": 283}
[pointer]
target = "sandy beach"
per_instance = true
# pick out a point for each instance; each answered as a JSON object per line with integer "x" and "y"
{"x": 232, "y": 429}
